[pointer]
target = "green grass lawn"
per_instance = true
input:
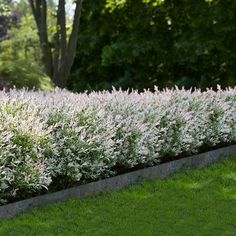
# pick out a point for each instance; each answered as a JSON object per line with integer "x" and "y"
{"x": 195, "y": 202}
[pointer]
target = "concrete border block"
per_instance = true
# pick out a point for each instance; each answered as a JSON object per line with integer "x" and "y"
{"x": 119, "y": 182}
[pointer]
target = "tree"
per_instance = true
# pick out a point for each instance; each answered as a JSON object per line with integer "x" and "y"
{"x": 129, "y": 46}
{"x": 142, "y": 43}
{"x": 59, "y": 52}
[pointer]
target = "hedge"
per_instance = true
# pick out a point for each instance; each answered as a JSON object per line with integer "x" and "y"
{"x": 52, "y": 140}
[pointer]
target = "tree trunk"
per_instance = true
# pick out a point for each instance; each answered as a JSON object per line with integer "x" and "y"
{"x": 57, "y": 64}
{"x": 39, "y": 9}
{"x": 67, "y": 53}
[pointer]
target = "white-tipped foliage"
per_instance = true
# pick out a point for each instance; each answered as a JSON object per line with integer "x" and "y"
{"x": 81, "y": 137}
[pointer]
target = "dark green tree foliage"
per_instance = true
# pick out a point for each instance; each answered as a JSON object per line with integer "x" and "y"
{"x": 204, "y": 42}
{"x": 143, "y": 43}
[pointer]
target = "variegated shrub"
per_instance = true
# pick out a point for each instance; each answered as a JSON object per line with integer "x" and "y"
{"x": 70, "y": 138}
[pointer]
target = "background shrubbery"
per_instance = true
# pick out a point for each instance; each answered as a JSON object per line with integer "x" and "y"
{"x": 131, "y": 43}
{"x": 142, "y": 43}
{"x": 54, "y": 140}
{"x": 20, "y": 55}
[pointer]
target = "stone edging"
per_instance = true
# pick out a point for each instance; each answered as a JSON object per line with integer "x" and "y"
{"x": 118, "y": 182}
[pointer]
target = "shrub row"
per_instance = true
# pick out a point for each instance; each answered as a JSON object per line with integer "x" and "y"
{"x": 61, "y": 138}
